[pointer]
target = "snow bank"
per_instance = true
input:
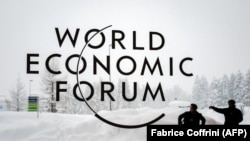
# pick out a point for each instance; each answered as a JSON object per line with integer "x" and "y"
{"x": 24, "y": 126}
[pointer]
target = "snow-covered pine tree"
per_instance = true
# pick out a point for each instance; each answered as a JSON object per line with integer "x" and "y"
{"x": 197, "y": 91}
{"x": 238, "y": 87}
{"x": 48, "y": 84}
{"x": 200, "y": 91}
{"x": 225, "y": 89}
{"x": 80, "y": 107}
{"x": 69, "y": 100}
{"x": 95, "y": 102}
{"x": 214, "y": 93}
{"x": 221, "y": 99}
{"x": 231, "y": 86}
{"x": 205, "y": 89}
{"x": 246, "y": 89}
{"x": 18, "y": 96}
{"x": 66, "y": 103}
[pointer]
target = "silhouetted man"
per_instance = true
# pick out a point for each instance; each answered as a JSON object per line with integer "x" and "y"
{"x": 233, "y": 116}
{"x": 192, "y": 117}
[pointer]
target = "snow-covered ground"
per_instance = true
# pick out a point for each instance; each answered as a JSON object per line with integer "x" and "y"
{"x": 24, "y": 126}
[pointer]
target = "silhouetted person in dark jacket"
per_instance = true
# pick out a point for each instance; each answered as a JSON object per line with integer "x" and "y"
{"x": 233, "y": 116}
{"x": 192, "y": 117}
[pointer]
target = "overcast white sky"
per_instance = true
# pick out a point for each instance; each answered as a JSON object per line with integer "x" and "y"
{"x": 214, "y": 33}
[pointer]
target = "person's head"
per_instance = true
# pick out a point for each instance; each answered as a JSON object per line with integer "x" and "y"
{"x": 231, "y": 103}
{"x": 193, "y": 107}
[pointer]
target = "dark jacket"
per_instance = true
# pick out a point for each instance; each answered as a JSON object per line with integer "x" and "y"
{"x": 233, "y": 116}
{"x": 193, "y": 119}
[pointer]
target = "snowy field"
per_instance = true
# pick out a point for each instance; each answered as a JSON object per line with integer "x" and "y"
{"x": 24, "y": 126}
